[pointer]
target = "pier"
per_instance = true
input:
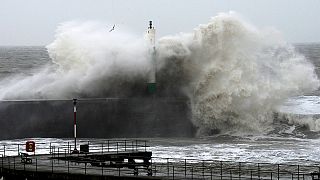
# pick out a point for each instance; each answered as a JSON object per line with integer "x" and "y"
{"x": 130, "y": 159}
{"x": 121, "y": 159}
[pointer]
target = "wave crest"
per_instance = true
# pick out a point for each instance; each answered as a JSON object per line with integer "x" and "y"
{"x": 234, "y": 74}
{"x": 238, "y": 74}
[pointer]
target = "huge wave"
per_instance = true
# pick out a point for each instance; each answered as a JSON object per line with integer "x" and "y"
{"x": 234, "y": 73}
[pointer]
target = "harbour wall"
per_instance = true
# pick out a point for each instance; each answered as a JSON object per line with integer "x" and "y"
{"x": 102, "y": 118}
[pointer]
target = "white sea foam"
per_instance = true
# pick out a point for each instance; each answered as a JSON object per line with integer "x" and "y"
{"x": 87, "y": 61}
{"x": 238, "y": 73}
{"x": 235, "y": 74}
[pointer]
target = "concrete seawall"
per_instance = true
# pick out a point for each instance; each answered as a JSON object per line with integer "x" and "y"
{"x": 103, "y": 118}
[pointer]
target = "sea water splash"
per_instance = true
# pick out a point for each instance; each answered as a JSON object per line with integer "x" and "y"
{"x": 234, "y": 73}
{"x": 237, "y": 73}
{"x": 87, "y": 61}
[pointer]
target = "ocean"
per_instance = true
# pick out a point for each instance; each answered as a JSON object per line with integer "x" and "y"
{"x": 254, "y": 98}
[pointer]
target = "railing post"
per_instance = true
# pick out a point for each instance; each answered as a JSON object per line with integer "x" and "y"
{"x": 185, "y": 167}
{"x": 36, "y": 165}
{"x": 259, "y": 170}
{"x": 52, "y": 151}
{"x": 172, "y": 171}
{"x": 203, "y": 169}
{"x": 18, "y": 149}
{"x": 278, "y": 172}
{"x": 239, "y": 170}
{"x": 4, "y": 150}
{"x": 168, "y": 171}
{"x": 136, "y": 145}
{"x": 271, "y": 176}
{"x": 102, "y": 170}
{"x": 68, "y": 147}
{"x": 108, "y": 145}
{"x": 298, "y": 171}
{"x": 117, "y": 147}
{"x": 51, "y": 165}
{"x": 145, "y": 146}
{"x": 68, "y": 167}
{"x": 102, "y": 148}
{"x": 132, "y": 146}
{"x": 220, "y": 169}
{"x": 191, "y": 172}
{"x": 85, "y": 168}
{"x": 151, "y": 166}
{"x": 125, "y": 145}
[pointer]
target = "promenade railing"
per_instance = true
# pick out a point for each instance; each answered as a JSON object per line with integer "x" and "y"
{"x": 44, "y": 159}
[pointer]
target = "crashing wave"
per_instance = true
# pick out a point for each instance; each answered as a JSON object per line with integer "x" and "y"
{"x": 237, "y": 73}
{"x": 234, "y": 74}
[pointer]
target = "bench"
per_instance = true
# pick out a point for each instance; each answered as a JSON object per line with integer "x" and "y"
{"x": 25, "y": 158}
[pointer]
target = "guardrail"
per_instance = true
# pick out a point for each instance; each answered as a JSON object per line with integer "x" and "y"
{"x": 210, "y": 169}
{"x": 168, "y": 168}
{"x": 57, "y": 147}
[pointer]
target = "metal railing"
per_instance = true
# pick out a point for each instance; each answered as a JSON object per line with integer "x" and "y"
{"x": 209, "y": 169}
{"x": 168, "y": 168}
{"x": 67, "y": 146}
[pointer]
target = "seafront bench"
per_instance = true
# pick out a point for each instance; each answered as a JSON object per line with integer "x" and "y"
{"x": 25, "y": 158}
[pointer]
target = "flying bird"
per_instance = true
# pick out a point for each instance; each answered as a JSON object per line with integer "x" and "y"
{"x": 112, "y": 28}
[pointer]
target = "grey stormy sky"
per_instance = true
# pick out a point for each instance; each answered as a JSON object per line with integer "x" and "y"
{"x": 33, "y": 22}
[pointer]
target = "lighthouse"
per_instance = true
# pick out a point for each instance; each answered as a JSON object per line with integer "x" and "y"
{"x": 150, "y": 37}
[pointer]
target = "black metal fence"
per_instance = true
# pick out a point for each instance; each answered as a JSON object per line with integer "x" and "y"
{"x": 44, "y": 160}
{"x": 209, "y": 169}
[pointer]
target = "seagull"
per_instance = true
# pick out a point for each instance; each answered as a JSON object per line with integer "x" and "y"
{"x": 112, "y": 28}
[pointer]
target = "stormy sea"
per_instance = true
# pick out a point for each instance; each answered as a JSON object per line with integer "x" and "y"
{"x": 253, "y": 96}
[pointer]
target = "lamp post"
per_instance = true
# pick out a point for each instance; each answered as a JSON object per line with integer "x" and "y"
{"x": 75, "y": 151}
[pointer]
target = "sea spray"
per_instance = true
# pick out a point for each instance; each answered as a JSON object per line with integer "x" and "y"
{"x": 105, "y": 64}
{"x": 87, "y": 61}
{"x": 237, "y": 74}
{"x": 234, "y": 74}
